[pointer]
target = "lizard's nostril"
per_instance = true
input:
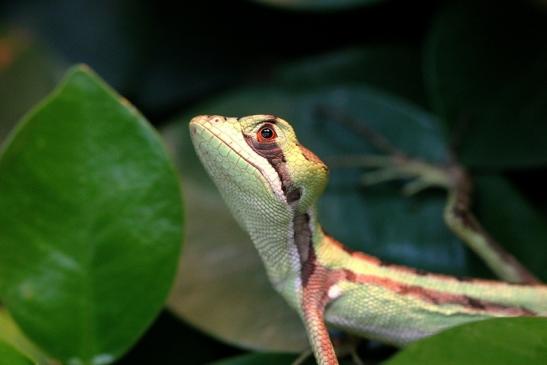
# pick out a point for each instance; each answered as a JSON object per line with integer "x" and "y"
{"x": 206, "y": 119}
{"x": 217, "y": 118}
{"x": 200, "y": 119}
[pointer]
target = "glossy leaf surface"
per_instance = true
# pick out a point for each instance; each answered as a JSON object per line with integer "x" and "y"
{"x": 90, "y": 222}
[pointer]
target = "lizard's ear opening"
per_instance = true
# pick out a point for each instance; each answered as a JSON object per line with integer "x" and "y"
{"x": 312, "y": 178}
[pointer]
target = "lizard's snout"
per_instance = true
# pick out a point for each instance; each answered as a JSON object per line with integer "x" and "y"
{"x": 202, "y": 120}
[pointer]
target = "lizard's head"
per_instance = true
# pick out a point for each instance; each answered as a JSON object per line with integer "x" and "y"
{"x": 257, "y": 161}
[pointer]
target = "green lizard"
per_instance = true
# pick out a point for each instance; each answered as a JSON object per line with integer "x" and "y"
{"x": 271, "y": 184}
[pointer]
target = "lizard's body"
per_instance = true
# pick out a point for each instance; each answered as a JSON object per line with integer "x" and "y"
{"x": 271, "y": 184}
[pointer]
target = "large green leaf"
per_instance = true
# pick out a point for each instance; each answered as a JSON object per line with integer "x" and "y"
{"x": 10, "y": 356}
{"x": 318, "y": 4}
{"x": 504, "y": 341}
{"x": 90, "y": 222}
{"x": 27, "y": 74}
{"x": 486, "y": 74}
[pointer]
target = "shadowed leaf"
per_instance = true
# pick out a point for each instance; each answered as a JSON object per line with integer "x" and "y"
{"x": 318, "y": 4}
{"x": 487, "y": 81}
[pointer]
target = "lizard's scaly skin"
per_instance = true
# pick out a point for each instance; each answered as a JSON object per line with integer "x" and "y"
{"x": 271, "y": 186}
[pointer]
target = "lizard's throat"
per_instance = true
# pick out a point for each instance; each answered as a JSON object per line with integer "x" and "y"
{"x": 306, "y": 230}
{"x": 300, "y": 257}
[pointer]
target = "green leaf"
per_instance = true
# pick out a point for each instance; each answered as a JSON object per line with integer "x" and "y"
{"x": 503, "y": 341}
{"x": 90, "y": 222}
{"x": 252, "y": 359}
{"x": 27, "y": 74}
{"x": 393, "y": 69}
{"x": 318, "y": 4}
{"x": 487, "y": 80}
{"x": 10, "y": 356}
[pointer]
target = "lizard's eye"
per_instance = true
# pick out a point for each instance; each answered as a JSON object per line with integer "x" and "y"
{"x": 266, "y": 134}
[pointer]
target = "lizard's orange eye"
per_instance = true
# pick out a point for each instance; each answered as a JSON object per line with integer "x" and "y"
{"x": 266, "y": 134}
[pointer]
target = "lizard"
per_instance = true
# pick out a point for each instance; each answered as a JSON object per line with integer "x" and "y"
{"x": 271, "y": 184}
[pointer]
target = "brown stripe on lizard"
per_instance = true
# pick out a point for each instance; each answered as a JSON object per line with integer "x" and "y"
{"x": 316, "y": 279}
{"x": 372, "y": 260}
{"x": 436, "y": 297}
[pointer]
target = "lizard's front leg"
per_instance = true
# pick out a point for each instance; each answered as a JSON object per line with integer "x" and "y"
{"x": 319, "y": 288}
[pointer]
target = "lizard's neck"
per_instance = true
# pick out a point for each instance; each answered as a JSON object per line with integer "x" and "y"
{"x": 308, "y": 236}
{"x": 290, "y": 258}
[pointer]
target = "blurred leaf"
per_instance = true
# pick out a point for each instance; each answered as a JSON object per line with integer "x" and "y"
{"x": 27, "y": 74}
{"x": 318, "y": 4}
{"x": 220, "y": 257}
{"x": 503, "y": 341}
{"x": 11, "y": 334}
{"x": 187, "y": 59}
{"x": 90, "y": 222}
{"x": 263, "y": 359}
{"x": 486, "y": 74}
{"x": 394, "y": 69}
{"x": 10, "y": 356}
{"x": 108, "y": 35}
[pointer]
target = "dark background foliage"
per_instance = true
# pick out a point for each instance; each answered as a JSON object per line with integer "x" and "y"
{"x": 167, "y": 57}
